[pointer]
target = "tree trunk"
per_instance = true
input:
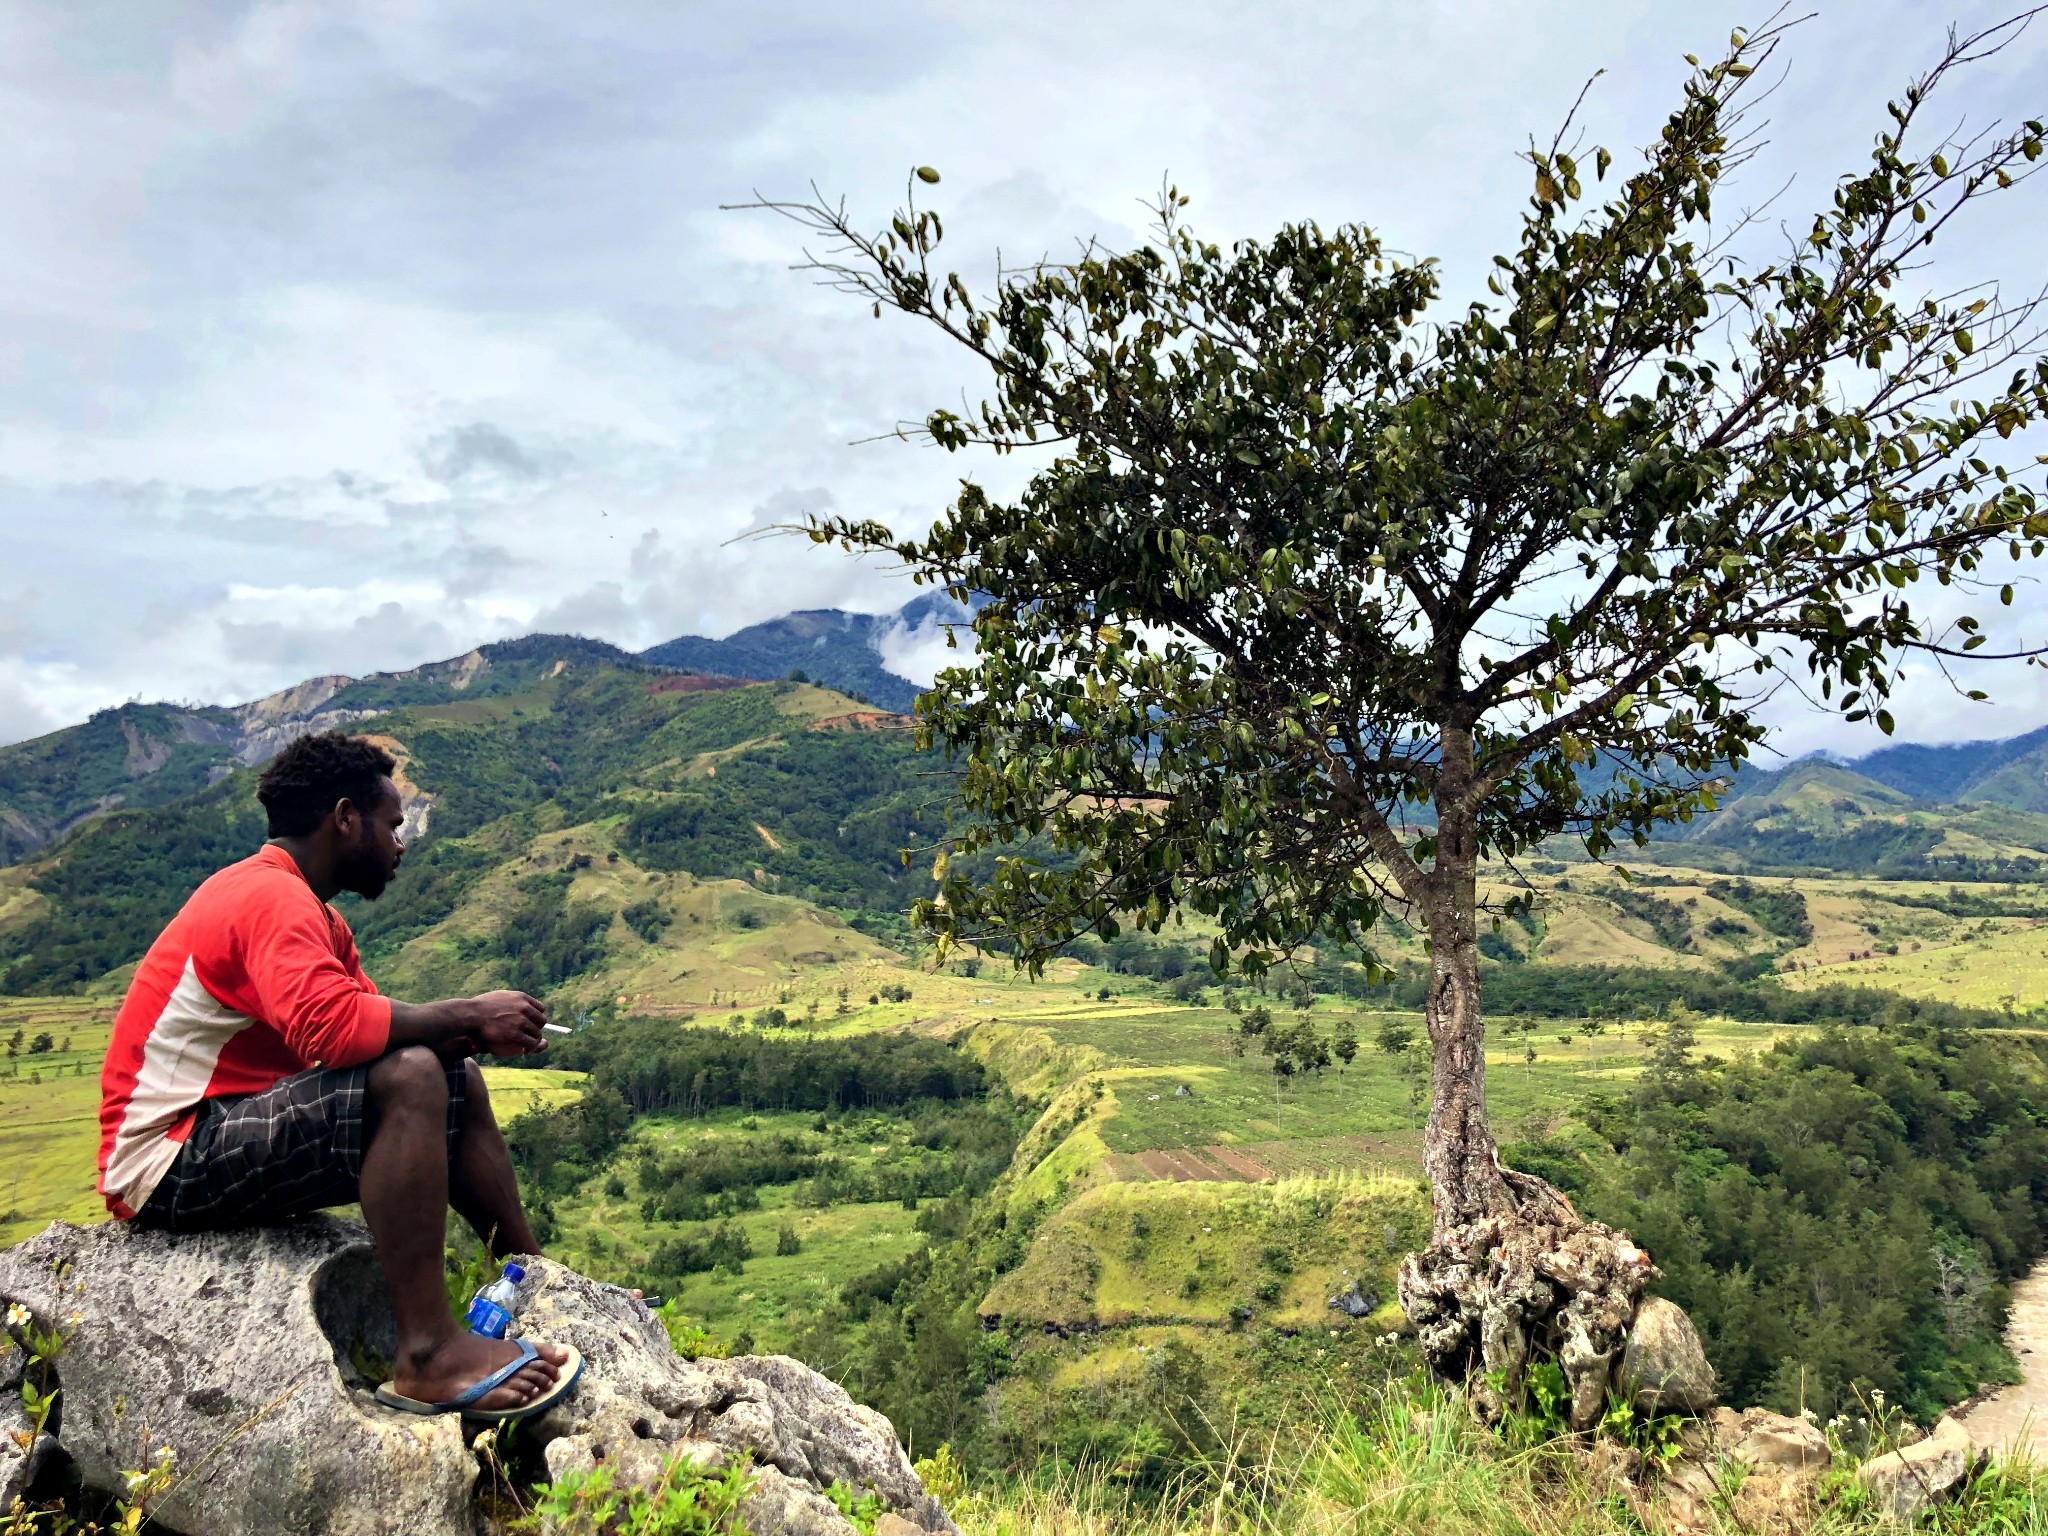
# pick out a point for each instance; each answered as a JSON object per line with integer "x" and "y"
{"x": 1512, "y": 1272}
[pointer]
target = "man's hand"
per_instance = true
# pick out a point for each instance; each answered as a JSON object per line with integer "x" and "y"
{"x": 505, "y": 1024}
{"x": 495, "y": 1024}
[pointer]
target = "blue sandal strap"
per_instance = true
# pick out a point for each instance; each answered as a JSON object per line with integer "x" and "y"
{"x": 495, "y": 1380}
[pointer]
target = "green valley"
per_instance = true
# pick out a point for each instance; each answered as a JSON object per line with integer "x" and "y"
{"x": 995, "y": 1204}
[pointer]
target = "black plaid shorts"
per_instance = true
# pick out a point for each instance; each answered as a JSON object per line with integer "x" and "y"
{"x": 295, "y": 1147}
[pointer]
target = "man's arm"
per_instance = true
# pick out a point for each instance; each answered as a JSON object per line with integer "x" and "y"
{"x": 495, "y": 1024}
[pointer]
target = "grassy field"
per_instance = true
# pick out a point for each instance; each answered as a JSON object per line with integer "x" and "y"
{"x": 1149, "y": 1049}
{"x": 1144, "y": 1046}
{"x": 1169, "y": 1094}
{"x": 49, "y": 1112}
{"x": 1999, "y": 963}
{"x": 1203, "y": 1254}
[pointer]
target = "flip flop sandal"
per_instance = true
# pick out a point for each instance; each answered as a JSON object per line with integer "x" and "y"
{"x": 571, "y": 1371}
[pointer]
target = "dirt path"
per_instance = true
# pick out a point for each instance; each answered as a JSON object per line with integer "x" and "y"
{"x": 2017, "y": 1417}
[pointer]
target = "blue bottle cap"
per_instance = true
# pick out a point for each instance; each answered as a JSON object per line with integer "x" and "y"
{"x": 515, "y": 1273}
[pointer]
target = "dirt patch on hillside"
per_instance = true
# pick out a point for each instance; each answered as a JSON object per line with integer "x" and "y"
{"x": 1184, "y": 1165}
{"x": 1247, "y": 1168}
{"x": 864, "y": 720}
{"x": 694, "y": 682}
{"x": 1339, "y": 1154}
{"x": 1261, "y": 1162}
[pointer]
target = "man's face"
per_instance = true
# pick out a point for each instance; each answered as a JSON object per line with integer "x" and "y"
{"x": 370, "y": 849}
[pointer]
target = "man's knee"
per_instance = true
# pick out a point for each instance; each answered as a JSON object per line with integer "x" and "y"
{"x": 413, "y": 1075}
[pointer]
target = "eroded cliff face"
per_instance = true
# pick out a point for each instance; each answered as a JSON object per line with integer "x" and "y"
{"x": 52, "y": 785}
{"x": 253, "y": 1357}
{"x": 267, "y": 726}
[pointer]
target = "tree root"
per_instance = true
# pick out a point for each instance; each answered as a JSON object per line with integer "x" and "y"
{"x": 1492, "y": 1294}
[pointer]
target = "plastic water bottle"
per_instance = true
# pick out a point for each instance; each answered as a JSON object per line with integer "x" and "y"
{"x": 490, "y": 1311}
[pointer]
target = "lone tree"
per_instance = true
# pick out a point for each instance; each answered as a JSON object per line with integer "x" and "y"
{"x": 1314, "y": 603}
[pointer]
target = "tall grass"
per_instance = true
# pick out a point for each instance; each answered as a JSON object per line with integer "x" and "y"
{"x": 1413, "y": 1461}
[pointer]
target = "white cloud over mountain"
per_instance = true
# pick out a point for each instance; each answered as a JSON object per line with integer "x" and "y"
{"x": 336, "y": 338}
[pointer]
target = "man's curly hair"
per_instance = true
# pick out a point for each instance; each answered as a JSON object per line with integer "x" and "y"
{"x": 304, "y": 781}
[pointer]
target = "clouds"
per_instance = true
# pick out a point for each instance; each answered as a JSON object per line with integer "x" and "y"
{"x": 343, "y": 337}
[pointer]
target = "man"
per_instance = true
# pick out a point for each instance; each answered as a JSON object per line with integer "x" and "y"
{"x": 255, "y": 1073}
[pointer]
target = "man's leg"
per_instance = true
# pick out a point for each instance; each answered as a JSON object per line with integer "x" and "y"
{"x": 404, "y": 1195}
{"x": 481, "y": 1183}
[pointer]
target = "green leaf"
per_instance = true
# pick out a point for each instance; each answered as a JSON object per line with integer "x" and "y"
{"x": 1601, "y": 160}
{"x": 927, "y": 175}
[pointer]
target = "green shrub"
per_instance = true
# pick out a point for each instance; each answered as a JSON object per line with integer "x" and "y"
{"x": 687, "y": 1501}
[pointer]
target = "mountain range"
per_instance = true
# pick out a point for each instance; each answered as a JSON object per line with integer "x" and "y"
{"x": 801, "y": 789}
{"x": 522, "y": 766}
{"x": 139, "y": 755}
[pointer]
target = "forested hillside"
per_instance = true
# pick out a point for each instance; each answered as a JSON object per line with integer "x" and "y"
{"x": 1986, "y": 822}
{"x": 789, "y": 788}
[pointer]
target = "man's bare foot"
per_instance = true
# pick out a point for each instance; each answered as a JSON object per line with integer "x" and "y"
{"x": 466, "y": 1359}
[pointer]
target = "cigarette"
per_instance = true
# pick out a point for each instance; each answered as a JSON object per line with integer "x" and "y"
{"x": 560, "y": 1029}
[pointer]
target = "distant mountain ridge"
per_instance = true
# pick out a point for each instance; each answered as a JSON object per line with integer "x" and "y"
{"x": 1967, "y": 810}
{"x": 830, "y": 646}
{"x": 1974, "y": 811}
{"x": 554, "y": 787}
{"x": 2013, "y": 771}
{"x": 135, "y": 756}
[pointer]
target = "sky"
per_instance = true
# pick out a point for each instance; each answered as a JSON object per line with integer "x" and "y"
{"x": 341, "y": 337}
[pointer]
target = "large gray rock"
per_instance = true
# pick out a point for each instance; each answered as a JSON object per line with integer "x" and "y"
{"x": 1783, "y": 1460}
{"x": 1663, "y": 1365}
{"x": 252, "y": 1356}
{"x": 640, "y": 1405}
{"x": 219, "y": 1347}
{"x": 1766, "y": 1441}
{"x": 1908, "y": 1480}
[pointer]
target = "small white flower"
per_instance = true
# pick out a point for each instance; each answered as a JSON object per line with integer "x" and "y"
{"x": 17, "y": 1316}
{"x": 74, "y": 1318}
{"x": 1809, "y": 1415}
{"x": 165, "y": 1456}
{"x": 1877, "y": 1396}
{"x": 136, "y": 1480}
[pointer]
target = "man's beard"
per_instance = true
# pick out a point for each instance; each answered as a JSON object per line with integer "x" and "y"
{"x": 361, "y": 871}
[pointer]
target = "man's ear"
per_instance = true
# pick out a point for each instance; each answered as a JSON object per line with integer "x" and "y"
{"x": 346, "y": 817}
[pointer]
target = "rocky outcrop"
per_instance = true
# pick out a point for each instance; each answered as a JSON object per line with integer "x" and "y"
{"x": 1757, "y": 1469}
{"x": 640, "y": 1406}
{"x": 253, "y": 1357}
{"x": 1664, "y": 1367}
{"x": 1906, "y": 1481}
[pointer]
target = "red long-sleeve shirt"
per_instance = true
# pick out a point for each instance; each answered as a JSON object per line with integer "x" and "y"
{"x": 255, "y": 978}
